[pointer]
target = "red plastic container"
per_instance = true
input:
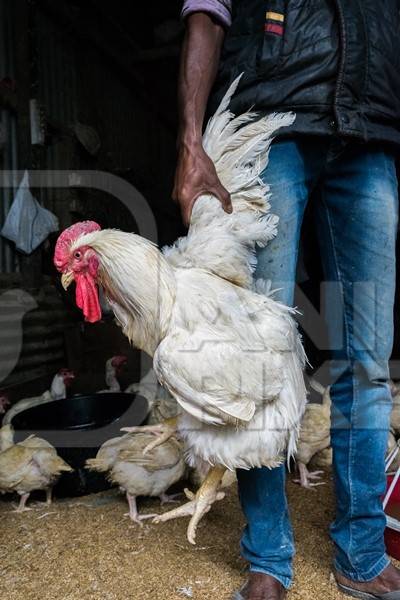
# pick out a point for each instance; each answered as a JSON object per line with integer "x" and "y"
{"x": 392, "y": 537}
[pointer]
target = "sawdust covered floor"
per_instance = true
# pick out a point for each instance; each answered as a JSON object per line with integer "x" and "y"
{"x": 85, "y": 549}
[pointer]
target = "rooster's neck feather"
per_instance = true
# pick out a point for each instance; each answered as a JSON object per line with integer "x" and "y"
{"x": 138, "y": 283}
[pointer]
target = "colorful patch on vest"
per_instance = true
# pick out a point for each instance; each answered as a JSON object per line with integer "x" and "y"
{"x": 274, "y": 23}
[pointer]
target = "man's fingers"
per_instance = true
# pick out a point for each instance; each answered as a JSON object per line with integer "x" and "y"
{"x": 225, "y": 198}
{"x": 186, "y": 200}
{"x": 187, "y": 212}
{"x": 220, "y": 193}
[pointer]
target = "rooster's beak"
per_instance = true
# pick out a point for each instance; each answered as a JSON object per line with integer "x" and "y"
{"x": 66, "y": 279}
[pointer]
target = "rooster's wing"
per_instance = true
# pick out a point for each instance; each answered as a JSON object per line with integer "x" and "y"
{"x": 217, "y": 382}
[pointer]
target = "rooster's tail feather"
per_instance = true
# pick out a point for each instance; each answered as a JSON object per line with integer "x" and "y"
{"x": 222, "y": 243}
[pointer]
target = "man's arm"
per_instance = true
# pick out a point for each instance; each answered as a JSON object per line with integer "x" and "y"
{"x": 195, "y": 173}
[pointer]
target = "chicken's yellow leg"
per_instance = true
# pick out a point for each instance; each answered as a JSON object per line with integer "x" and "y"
{"x": 200, "y": 503}
{"x": 163, "y": 431}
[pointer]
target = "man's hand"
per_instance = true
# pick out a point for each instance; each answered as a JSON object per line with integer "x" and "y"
{"x": 196, "y": 175}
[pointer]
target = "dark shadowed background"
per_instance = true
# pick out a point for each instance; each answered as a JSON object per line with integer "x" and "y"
{"x": 99, "y": 79}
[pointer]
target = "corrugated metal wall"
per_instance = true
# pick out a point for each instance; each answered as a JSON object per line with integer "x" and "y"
{"x": 57, "y": 96}
{"x": 57, "y": 86}
{"x": 73, "y": 83}
{"x": 43, "y": 319}
{"x": 43, "y": 348}
{"x": 8, "y": 123}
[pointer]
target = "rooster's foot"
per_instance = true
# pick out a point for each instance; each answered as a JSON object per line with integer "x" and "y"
{"x": 199, "y": 504}
{"x": 163, "y": 431}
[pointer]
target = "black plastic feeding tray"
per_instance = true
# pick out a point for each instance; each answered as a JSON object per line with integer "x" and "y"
{"x": 77, "y": 427}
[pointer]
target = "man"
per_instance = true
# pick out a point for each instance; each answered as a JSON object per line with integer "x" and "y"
{"x": 336, "y": 64}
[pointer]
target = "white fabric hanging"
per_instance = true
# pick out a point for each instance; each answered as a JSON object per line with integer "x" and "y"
{"x": 28, "y": 224}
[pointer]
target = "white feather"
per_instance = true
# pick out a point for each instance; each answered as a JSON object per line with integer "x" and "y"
{"x": 221, "y": 243}
{"x": 230, "y": 356}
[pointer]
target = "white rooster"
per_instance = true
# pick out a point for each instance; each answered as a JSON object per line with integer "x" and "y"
{"x": 58, "y": 391}
{"x": 395, "y": 416}
{"x": 315, "y": 436}
{"x": 231, "y": 357}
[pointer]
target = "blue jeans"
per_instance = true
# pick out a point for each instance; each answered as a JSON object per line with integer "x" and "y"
{"x": 356, "y": 220}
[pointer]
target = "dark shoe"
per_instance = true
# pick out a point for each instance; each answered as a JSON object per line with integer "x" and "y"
{"x": 261, "y": 587}
{"x": 377, "y": 589}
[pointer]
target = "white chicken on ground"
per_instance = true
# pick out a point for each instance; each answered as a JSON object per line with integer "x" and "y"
{"x": 322, "y": 460}
{"x": 394, "y": 433}
{"x": 28, "y": 466}
{"x": 57, "y": 391}
{"x": 395, "y": 415}
{"x": 231, "y": 357}
{"x": 161, "y": 404}
{"x": 315, "y": 436}
{"x": 152, "y": 474}
{"x": 114, "y": 367}
{"x": 392, "y": 458}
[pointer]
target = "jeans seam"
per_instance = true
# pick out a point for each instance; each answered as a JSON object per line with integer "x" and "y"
{"x": 347, "y": 332}
{"x": 336, "y": 260}
{"x": 375, "y": 571}
{"x": 356, "y": 391}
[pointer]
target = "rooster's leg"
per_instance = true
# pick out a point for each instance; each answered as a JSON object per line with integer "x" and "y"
{"x": 133, "y": 512}
{"x": 306, "y": 476}
{"x": 199, "y": 504}
{"x": 49, "y": 499}
{"x": 163, "y": 431}
{"x": 22, "y": 503}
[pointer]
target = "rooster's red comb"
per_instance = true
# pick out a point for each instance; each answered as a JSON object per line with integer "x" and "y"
{"x": 67, "y": 237}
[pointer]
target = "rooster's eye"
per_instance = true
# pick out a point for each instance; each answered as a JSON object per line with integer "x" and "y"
{"x": 78, "y": 254}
